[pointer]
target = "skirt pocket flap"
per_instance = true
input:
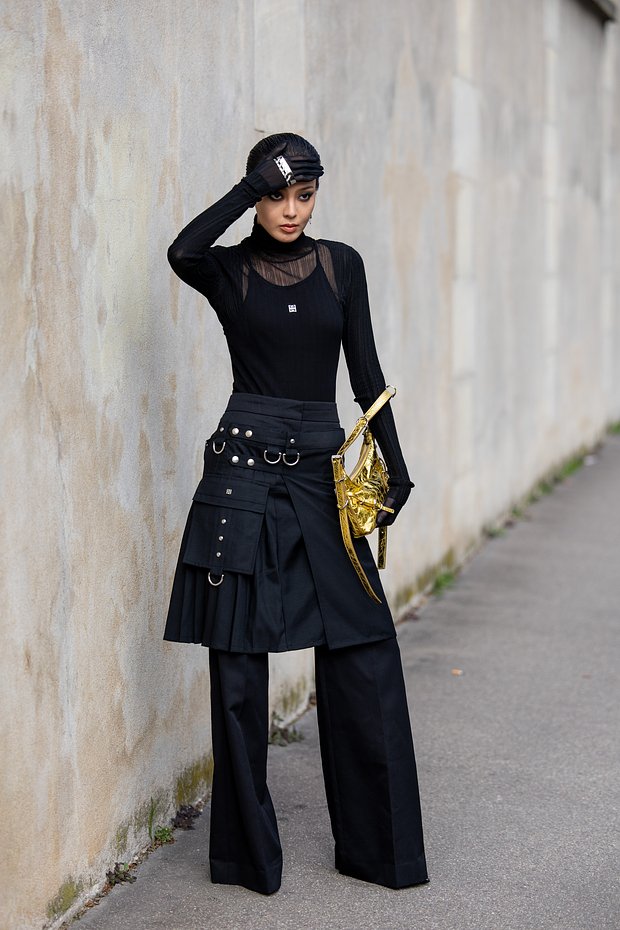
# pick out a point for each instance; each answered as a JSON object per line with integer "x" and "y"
{"x": 238, "y": 494}
{"x": 225, "y": 523}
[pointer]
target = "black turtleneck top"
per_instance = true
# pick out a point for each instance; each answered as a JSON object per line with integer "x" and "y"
{"x": 285, "y": 309}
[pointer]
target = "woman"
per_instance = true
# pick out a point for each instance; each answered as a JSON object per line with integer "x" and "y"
{"x": 262, "y": 566}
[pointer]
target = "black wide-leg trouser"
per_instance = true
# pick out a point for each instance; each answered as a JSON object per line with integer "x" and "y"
{"x": 368, "y": 766}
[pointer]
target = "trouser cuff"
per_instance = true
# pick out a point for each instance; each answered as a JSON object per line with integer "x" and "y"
{"x": 392, "y": 875}
{"x": 264, "y": 881}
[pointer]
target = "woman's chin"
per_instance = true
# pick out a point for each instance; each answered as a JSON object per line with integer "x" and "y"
{"x": 286, "y": 235}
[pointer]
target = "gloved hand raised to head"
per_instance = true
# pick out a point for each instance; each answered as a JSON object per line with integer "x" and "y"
{"x": 281, "y": 170}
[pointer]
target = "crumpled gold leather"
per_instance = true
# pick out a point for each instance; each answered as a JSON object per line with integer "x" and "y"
{"x": 366, "y": 487}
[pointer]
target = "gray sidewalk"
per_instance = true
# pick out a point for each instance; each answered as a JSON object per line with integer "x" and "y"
{"x": 517, "y": 756}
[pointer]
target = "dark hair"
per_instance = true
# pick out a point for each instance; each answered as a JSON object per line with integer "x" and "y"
{"x": 295, "y": 145}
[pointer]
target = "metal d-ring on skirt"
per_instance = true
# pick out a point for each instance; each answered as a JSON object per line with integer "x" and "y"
{"x": 262, "y": 566}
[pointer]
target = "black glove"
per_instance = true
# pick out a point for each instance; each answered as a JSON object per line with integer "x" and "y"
{"x": 396, "y": 498}
{"x": 267, "y": 177}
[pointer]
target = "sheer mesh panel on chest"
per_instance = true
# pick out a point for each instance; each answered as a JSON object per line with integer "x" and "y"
{"x": 286, "y": 270}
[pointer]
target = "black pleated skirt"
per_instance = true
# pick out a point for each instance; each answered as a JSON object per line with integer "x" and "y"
{"x": 262, "y": 566}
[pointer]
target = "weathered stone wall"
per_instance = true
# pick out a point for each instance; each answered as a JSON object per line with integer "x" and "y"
{"x": 472, "y": 155}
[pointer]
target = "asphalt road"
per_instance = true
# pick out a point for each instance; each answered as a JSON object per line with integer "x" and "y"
{"x": 518, "y": 756}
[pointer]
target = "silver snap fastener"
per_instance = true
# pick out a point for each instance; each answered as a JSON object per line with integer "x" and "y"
{"x": 248, "y": 433}
{"x": 292, "y": 442}
{"x": 235, "y": 431}
{"x": 250, "y": 461}
{"x": 234, "y": 459}
{"x": 221, "y": 429}
{"x": 220, "y": 538}
{"x": 218, "y": 554}
{"x": 223, "y": 520}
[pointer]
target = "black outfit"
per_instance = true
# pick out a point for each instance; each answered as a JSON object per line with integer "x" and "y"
{"x": 260, "y": 366}
{"x": 262, "y": 566}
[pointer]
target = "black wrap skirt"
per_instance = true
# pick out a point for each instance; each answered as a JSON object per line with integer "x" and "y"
{"x": 262, "y": 566}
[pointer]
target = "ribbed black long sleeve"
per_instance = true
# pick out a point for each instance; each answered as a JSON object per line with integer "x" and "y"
{"x": 220, "y": 274}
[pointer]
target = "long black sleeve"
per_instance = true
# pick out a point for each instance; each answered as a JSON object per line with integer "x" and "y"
{"x": 192, "y": 255}
{"x": 365, "y": 372}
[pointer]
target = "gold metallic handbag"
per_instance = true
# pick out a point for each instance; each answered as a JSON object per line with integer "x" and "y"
{"x": 361, "y": 494}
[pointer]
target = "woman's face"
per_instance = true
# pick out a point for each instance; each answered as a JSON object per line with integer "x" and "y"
{"x": 285, "y": 214}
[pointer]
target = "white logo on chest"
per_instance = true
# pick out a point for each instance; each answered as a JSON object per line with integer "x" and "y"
{"x": 292, "y": 308}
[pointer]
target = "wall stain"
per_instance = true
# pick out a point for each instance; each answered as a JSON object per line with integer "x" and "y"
{"x": 195, "y": 780}
{"x": 169, "y": 187}
{"x": 170, "y": 431}
{"x": 405, "y": 181}
{"x": 67, "y": 894}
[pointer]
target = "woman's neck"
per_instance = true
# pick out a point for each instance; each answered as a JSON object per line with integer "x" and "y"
{"x": 263, "y": 242}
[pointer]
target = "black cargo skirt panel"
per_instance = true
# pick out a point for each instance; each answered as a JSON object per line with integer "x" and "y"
{"x": 262, "y": 566}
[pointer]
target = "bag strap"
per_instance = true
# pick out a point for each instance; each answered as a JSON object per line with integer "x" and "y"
{"x": 382, "y": 399}
{"x": 362, "y": 423}
{"x": 341, "y": 495}
{"x": 345, "y": 528}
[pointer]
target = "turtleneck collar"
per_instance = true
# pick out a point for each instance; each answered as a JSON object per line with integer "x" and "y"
{"x": 261, "y": 241}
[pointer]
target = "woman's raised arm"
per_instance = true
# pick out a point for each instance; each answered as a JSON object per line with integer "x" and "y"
{"x": 189, "y": 254}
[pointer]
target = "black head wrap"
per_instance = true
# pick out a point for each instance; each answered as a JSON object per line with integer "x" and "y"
{"x": 295, "y": 145}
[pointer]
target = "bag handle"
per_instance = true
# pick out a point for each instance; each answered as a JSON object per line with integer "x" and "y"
{"x": 362, "y": 423}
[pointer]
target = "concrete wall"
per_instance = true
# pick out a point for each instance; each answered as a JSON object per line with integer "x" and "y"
{"x": 472, "y": 156}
